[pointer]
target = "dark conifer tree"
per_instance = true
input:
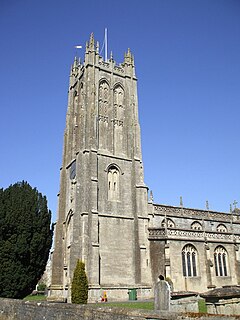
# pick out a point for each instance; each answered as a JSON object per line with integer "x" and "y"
{"x": 80, "y": 284}
{"x": 25, "y": 239}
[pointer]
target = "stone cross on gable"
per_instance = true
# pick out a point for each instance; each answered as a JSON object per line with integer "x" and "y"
{"x": 235, "y": 204}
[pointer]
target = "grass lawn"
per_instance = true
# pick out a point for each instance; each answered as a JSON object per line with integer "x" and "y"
{"x": 202, "y": 306}
{"x": 39, "y": 297}
{"x": 148, "y": 305}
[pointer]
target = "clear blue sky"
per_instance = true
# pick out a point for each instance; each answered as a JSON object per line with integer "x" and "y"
{"x": 187, "y": 56}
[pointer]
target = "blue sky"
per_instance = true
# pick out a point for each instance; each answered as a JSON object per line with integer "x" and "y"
{"x": 188, "y": 68}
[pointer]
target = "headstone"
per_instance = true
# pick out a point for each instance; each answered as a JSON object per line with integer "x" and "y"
{"x": 162, "y": 295}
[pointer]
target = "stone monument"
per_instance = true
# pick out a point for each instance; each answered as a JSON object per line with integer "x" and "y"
{"x": 162, "y": 295}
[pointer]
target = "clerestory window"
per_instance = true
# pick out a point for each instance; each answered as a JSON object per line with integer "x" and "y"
{"x": 170, "y": 223}
{"x": 221, "y": 228}
{"x": 196, "y": 225}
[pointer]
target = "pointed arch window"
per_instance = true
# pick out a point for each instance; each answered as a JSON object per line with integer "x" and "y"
{"x": 221, "y": 228}
{"x": 113, "y": 183}
{"x": 189, "y": 261}
{"x": 103, "y": 97}
{"x": 118, "y": 101}
{"x": 118, "y": 96}
{"x": 170, "y": 223}
{"x": 196, "y": 225}
{"x": 221, "y": 262}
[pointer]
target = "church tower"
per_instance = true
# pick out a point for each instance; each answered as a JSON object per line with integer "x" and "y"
{"x": 102, "y": 211}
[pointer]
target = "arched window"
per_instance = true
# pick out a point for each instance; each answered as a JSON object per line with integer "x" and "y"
{"x": 221, "y": 262}
{"x": 113, "y": 183}
{"x": 103, "y": 97}
{"x": 170, "y": 223}
{"x": 118, "y": 101}
{"x": 221, "y": 228}
{"x": 118, "y": 96}
{"x": 189, "y": 261}
{"x": 196, "y": 225}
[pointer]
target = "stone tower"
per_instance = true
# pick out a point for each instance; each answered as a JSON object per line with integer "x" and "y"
{"x": 102, "y": 213}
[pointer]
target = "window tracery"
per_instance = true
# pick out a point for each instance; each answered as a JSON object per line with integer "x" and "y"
{"x": 118, "y": 97}
{"x": 170, "y": 223}
{"x": 189, "y": 261}
{"x": 196, "y": 225}
{"x": 103, "y": 97}
{"x": 221, "y": 228}
{"x": 221, "y": 261}
{"x": 113, "y": 183}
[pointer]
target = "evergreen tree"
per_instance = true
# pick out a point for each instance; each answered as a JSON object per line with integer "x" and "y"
{"x": 80, "y": 284}
{"x": 25, "y": 239}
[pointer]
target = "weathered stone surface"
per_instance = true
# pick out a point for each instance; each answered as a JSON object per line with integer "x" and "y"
{"x": 185, "y": 303}
{"x": 221, "y": 293}
{"x": 22, "y": 310}
{"x": 162, "y": 295}
{"x": 224, "y": 300}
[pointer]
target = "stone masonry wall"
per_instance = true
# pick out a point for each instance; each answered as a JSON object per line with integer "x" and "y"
{"x": 22, "y": 310}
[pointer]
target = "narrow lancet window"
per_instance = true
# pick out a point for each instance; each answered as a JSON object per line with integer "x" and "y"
{"x": 113, "y": 184}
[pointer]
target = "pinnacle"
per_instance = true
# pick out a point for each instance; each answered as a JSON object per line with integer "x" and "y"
{"x": 91, "y": 42}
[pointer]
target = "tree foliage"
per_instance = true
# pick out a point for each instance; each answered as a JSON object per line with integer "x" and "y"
{"x": 25, "y": 239}
{"x": 80, "y": 284}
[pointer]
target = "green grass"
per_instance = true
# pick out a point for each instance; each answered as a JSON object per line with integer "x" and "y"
{"x": 202, "y": 306}
{"x": 39, "y": 297}
{"x": 149, "y": 305}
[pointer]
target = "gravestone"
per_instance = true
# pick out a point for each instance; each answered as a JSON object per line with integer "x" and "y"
{"x": 162, "y": 295}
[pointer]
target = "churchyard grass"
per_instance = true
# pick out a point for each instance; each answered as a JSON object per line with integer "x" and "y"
{"x": 147, "y": 305}
{"x": 37, "y": 297}
{"x": 202, "y": 306}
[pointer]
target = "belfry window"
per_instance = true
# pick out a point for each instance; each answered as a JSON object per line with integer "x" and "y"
{"x": 103, "y": 97}
{"x": 220, "y": 261}
{"x": 113, "y": 184}
{"x": 189, "y": 261}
